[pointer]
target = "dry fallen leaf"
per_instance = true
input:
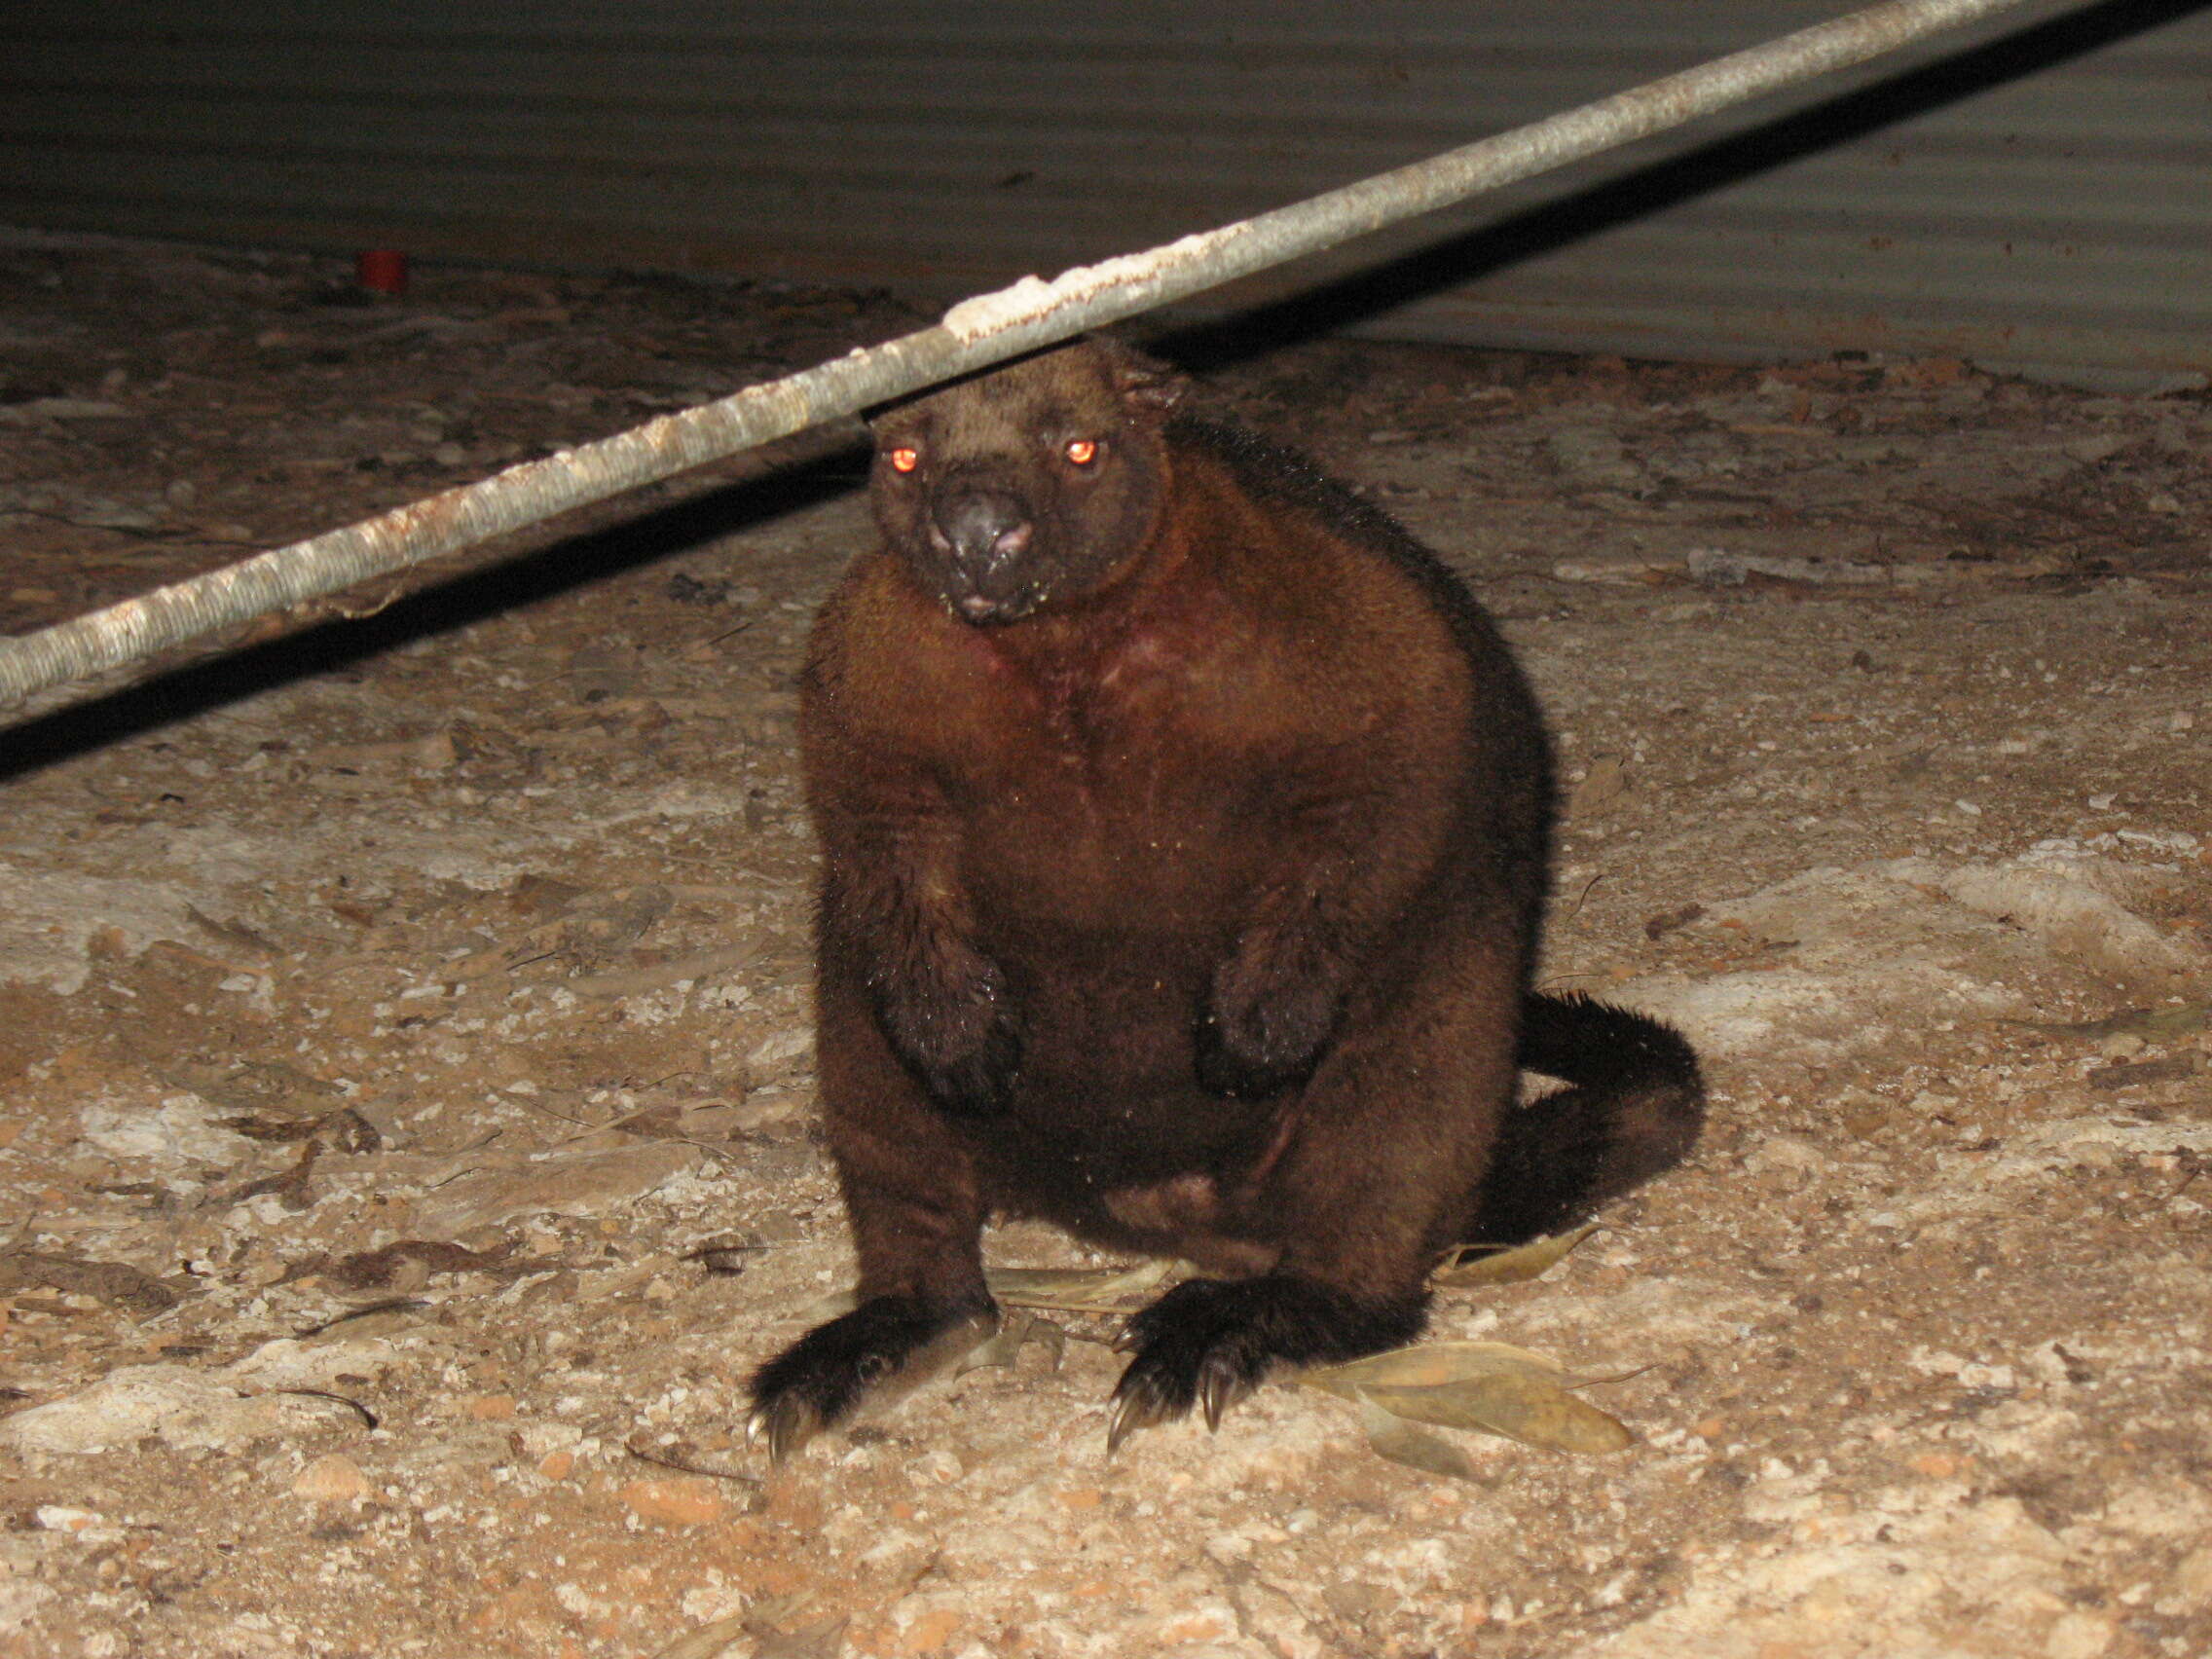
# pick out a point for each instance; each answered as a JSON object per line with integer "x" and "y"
{"x": 1516, "y": 1266}
{"x": 111, "y": 1282}
{"x": 1076, "y": 1290}
{"x": 1393, "y": 1437}
{"x": 725, "y": 1254}
{"x": 1493, "y": 1388}
{"x": 1518, "y": 1405}
{"x": 1007, "y": 1344}
{"x": 725, "y": 1638}
{"x": 1428, "y": 1365}
{"x": 2158, "y": 1024}
{"x": 377, "y": 1270}
{"x": 759, "y": 1633}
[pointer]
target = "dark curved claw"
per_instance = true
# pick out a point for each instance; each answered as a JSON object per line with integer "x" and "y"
{"x": 1210, "y": 1343}
{"x": 1139, "y": 1402}
{"x": 1220, "y": 1386}
{"x": 788, "y": 1422}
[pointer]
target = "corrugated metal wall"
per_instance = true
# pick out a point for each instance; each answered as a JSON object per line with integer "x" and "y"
{"x": 2060, "y": 218}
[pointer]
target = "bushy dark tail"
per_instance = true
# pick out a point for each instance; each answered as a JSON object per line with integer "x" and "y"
{"x": 1631, "y": 1107}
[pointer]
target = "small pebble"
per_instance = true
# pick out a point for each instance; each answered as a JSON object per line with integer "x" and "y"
{"x": 2191, "y": 1588}
{"x": 2077, "y": 1636}
{"x": 61, "y": 1517}
{"x": 333, "y": 1478}
{"x": 938, "y": 1466}
{"x": 2103, "y": 447}
{"x": 680, "y": 1500}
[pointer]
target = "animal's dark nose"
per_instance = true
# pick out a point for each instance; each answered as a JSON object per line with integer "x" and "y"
{"x": 984, "y": 529}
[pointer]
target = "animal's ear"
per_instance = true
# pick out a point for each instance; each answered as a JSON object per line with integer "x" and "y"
{"x": 1141, "y": 381}
{"x": 892, "y": 413}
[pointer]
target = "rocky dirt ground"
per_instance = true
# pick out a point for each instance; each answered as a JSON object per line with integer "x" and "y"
{"x": 405, "y": 1143}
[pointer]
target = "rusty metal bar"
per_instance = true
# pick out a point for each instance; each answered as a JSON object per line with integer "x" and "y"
{"x": 972, "y": 335}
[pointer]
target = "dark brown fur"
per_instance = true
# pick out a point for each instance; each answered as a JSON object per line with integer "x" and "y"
{"x": 1185, "y": 830}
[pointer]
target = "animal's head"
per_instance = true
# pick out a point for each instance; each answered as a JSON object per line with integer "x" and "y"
{"x": 1030, "y": 486}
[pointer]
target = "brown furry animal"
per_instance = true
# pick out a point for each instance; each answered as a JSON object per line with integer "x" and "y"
{"x": 1185, "y": 830}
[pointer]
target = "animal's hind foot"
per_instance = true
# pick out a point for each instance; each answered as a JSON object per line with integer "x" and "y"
{"x": 820, "y": 1378}
{"x": 1208, "y": 1342}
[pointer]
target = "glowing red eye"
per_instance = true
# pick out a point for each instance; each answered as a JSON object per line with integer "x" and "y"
{"x": 904, "y": 459}
{"x": 1082, "y": 451}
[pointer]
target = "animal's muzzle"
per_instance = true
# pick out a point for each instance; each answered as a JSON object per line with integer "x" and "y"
{"x": 986, "y": 532}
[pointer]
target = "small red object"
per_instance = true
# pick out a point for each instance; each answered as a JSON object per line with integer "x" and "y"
{"x": 381, "y": 269}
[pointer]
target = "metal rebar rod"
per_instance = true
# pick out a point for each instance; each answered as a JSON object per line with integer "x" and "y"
{"x": 972, "y": 335}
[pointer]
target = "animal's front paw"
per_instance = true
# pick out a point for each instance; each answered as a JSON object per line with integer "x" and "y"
{"x": 977, "y": 1077}
{"x": 820, "y": 1378}
{"x": 1267, "y": 1025}
{"x": 960, "y": 1035}
{"x": 1208, "y": 1342}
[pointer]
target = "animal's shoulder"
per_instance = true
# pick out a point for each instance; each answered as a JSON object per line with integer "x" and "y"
{"x": 884, "y": 663}
{"x": 1280, "y": 480}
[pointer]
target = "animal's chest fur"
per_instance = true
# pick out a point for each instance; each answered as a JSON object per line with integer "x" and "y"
{"x": 1117, "y": 799}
